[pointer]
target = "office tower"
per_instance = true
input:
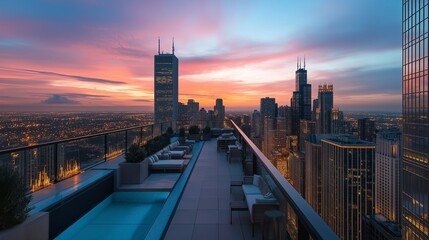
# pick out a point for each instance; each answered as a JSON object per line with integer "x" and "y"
{"x": 415, "y": 112}
{"x": 307, "y": 128}
{"x": 296, "y": 171}
{"x": 219, "y": 113}
{"x": 268, "y": 111}
{"x": 337, "y": 121}
{"x": 366, "y": 128}
{"x": 301, "y": 98}
{"x": 281, "y": 133}
{"x": 347, "y": 184}
{"x": 294, "y": 104}
{"x": 313, "y": 170}
{"x": 325, "y": 105}
{"x": 385, "y": 224}
{"x": 269, "y": 136}
{"x": 203, "y": 117}
{"x": 245, "y": 119}
{"x": 211, "y": 119}
{"x": 286, "y": 113}
{"x": 183, "y": 112}
{"x": 193, "y": 111}
{"x": 166, "y": 89}
{"x": 256, "y": 123}
{"x": 388, "y": 163}
{"x": 314, "y": 114}
{"x": 304, "y": 89}
{"x": 268, "y": 108}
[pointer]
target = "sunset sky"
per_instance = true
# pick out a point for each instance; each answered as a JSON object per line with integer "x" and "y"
{"x": 98, "y": 55}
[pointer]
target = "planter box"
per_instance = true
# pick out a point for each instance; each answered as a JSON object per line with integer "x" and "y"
{"x": 35, "y": 227}
{"x": 195, "y": 137}
{"x": 134, "y": 173}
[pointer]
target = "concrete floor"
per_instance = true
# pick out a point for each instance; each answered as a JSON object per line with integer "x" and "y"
{"x": 203, "y": 211}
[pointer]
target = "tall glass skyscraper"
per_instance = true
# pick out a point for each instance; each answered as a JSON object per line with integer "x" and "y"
{"x": 166, "y": 89}
{"x": 415, "y": 108}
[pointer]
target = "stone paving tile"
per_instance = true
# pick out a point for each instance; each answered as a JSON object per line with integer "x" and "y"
{"x": 203, "y": 211}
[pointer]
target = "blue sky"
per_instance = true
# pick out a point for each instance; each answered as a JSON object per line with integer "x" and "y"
{"x": 55, "y": 54}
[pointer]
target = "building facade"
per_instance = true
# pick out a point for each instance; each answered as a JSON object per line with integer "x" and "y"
{"x": 388, "y": 167}
{"x": 166, "y": 87}
{"x": 347, "y": 182}
{"x": 415, "y": 112}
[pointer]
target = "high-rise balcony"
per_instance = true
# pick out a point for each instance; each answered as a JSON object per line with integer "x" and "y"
{"x": 76, "y": 181}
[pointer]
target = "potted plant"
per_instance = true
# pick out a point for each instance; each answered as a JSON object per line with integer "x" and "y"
{"x": 135, "y": 168}
{"x": 169, "y": 132}
{"x": 182, "y": 135}
{"x": 194, "y": 133}
{"x": 15, "y": 221}
{"x": 207, "y": 133}
{"x": 13, "y": 198}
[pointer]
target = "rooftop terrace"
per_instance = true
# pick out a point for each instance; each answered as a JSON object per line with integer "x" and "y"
{"x": 198, "y": 205}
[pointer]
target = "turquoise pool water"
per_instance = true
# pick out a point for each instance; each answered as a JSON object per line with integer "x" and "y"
{"x": 123, "y": 215}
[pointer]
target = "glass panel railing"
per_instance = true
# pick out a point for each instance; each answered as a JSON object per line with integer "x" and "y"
{"x": 44, "y": 164}
{"x": 302, "y": 221}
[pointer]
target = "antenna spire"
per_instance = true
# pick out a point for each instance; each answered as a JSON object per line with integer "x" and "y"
{"x": 304, "y": 61}
{"x": 159, "y": 45}
{"x": 173, "y": 45}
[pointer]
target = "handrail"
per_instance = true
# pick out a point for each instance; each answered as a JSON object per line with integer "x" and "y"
{"x": 11, "y": 150}
{"x": 311, "y": 221}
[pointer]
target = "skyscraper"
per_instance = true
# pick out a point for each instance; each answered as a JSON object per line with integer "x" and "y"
{"x": 415, "y": 112}
{"x": 166, "y": 86}
{"x": 304, "y": 89}
{"x": 219, "y": 113}
{"x": 347, "y": 183}
{"x": 325, "y": 105}
{"x": 366, "y": 128}
{"x": 301, "y": 98}
{"x": 268, "y": 108}
{"x": 387, "y": 176}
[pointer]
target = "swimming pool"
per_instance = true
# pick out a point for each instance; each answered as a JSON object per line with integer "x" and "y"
{"x": 122, "y": 215}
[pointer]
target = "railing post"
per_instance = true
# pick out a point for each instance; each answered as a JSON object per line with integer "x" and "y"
{"x": 141, "y": 135}
{"x": 105, "y": 147}
{"x": 126, "y": 140}
{"x": 56, "y": 162}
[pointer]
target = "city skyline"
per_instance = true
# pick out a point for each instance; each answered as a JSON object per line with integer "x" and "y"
{"x": 90, "y": 55}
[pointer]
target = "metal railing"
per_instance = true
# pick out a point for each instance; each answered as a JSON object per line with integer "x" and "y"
{"x": 47, "y": 163}
{"x": 302, "y": 221}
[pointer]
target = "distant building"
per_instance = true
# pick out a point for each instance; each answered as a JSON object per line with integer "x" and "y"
{"x": 338, "y": 125}
{"x": 219, "y": 113}
{"x": 324, "y": 110}
{"x": 268, "y": 108}
{"x": 366, "y": 128}
{"x": 347, "y": 183}
{"x": 307, "y": 128}
{"x": 379, "y": 228}
{"x": 166, "y": 86}
{"x": 297, "y": 171}
{"x": 415, "y": 112}
{"x": 193, "y": 112}
{"x": 388, "y": 165}
{"x": 313, "y": 170}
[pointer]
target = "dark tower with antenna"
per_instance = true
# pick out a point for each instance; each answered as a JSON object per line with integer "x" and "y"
{"x": 166, "y": 85}
{"x": 301, "y": 100}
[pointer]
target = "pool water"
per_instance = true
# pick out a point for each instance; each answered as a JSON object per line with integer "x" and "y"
{"x": 123, "y": 215}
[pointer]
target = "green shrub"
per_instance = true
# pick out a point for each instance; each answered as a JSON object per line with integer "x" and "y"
{"x": 207, "y": 129}
{"x": 14, "y": 199}
{"x": 182, "y": 132}
{"x": 169, "y": 131}
{"x": 194, "y": 129}
{"x": 135, "y": 154}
